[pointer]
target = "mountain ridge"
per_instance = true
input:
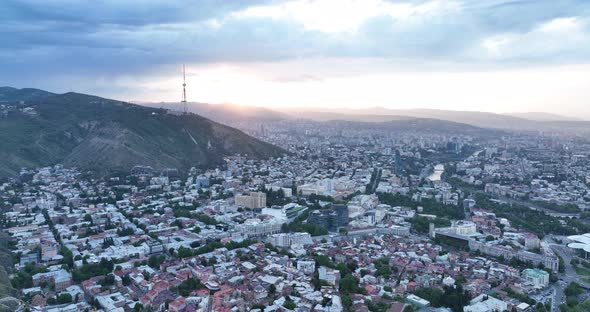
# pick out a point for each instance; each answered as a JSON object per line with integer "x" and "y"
{"x": 473, "y": 118}
{"x": 507, "y": 121}
{"x": 25, "y": 94}
{"x": 525, "y": 122}
{"x": 103, "y": 135}
{"x": 542, "y": 116}
{"x": 223, "y": 112}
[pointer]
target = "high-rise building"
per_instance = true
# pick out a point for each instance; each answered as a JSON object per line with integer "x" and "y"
{"x": 255, "y": 200}
{"x": 342, "y": 215}
{"x": 258, "y": 199}
{"x": 332, "y": 219}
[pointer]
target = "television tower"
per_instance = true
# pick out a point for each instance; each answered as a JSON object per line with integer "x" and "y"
{"x": 184, "y": 106}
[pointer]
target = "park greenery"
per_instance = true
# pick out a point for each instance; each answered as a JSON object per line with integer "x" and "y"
{"x": 572, "y": 293}
{"x": 188, "y": 212}
{"x": 519, "y": 296}
{"x": 421, "y": 224}
{"x": 154, "y": 261}
{"x": 189, "y": 285}
{"x": 564, "y": 208}
{"x": 523, "y": 217}
{"x": 23, "y": 278}
{"x": 429, "y": 206}
{"x": 184, "y": 252}
{"x": 453, "y": 297}
{"x": 90, "y": 270}
{"x": 349, "y": 284}
{"x": 275, "y": 197}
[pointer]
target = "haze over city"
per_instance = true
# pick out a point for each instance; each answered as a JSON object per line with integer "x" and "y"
{"x": 295, "y": 156}
{"x": 498, "y": 56}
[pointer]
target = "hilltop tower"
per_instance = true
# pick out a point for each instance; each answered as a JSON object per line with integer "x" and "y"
{"x": 184, "y": 105}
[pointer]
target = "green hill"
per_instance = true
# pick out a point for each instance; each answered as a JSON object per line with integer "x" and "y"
{"x": 9, "y": 94}
{"x": 8, "y": 302}
{"x": 102, "y": 134}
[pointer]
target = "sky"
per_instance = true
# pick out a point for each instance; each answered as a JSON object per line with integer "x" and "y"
{"x": 487, "y": 55}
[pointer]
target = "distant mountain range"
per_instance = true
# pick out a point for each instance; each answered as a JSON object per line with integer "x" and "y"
{"x": 540, "y": 116}
{"x": 405, "y": 124}
{"x": 39, "y": 128}
{"x": 223, "y": 112}
{"x": 524, "y": 121}
{"x": 528, "y": 122}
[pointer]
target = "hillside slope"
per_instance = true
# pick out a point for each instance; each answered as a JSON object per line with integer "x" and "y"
{"x": 380, "y": 114}
{"x": 541, "y": 116}
{"x": 542, "y": 122}
{"x": 9, "y": 94}
{"x": 416, "y": 125}
{"x": 101, "y": 134}
{"x": 224, "y": 113}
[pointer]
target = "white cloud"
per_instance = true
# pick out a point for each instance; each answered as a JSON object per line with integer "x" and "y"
{"x": 299, "y": 52}
{"x": 333, "y": 16}
{"x": 561, "y": 25}
{"x": 358, "y": 83}
{"x": 565, "y": 36}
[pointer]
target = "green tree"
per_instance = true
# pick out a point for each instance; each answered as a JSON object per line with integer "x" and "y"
{"x": 186, "y": 287}
{"x": 290, "y": 305}
{"x": 64, "y": 298}
{"x": 126, "y": 280}
{"x": 272, "y": 290}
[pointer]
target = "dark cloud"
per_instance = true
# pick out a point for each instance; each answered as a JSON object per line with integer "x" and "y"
{"x": 42, "y": 41}
{"x": 130, "y": 12}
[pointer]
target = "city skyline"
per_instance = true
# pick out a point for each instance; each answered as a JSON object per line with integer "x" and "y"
{"x": 295, "y": 155}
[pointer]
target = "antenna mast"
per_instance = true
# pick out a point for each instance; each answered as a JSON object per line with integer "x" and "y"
{"x": 184, "y": 106}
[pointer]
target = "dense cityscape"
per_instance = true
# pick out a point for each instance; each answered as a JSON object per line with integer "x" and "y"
{"x": 295, "y": 156}
{"x": 345, "y": 221}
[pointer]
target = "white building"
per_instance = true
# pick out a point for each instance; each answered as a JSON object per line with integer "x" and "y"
{"x": 448, "y": 281}
{"x": 329, "y": 275}
{"x": 531, "y": 241}
{"x": 485, "y": 303}
{"x": 307, "y": 267}
{"x": 465, "y": 228}
{"x": 286, "y": 240}
{"x": 301, "y": 238}
{"x": 536, "y": 278}
{"x": 258, "y": 228}
{"x": 112, "y": 302}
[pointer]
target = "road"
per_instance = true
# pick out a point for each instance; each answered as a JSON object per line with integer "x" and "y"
{"x": 568, "y": 276}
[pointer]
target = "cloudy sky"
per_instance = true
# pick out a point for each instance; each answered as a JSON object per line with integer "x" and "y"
{"x": 489, "y": 55}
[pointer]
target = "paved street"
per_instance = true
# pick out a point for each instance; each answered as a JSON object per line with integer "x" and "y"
{"x": 565, "y": 278}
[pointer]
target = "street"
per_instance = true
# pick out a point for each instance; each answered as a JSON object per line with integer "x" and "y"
{"x": 565, "y": 278}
